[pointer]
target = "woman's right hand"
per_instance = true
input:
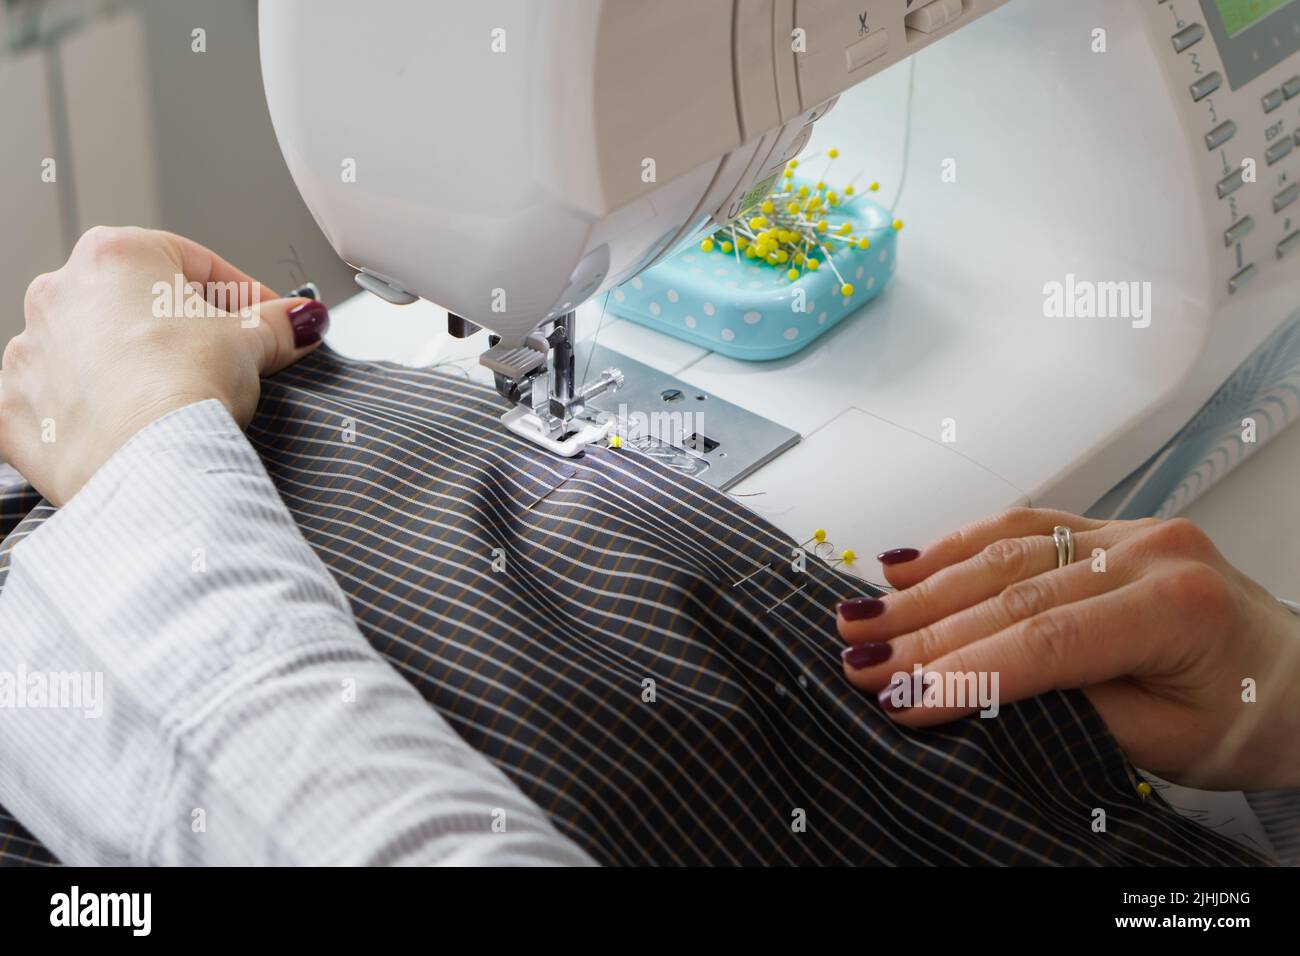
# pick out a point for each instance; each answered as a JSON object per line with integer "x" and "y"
{"x": 108, "y": 349}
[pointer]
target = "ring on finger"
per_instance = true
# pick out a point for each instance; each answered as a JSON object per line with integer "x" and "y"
{"x": 1064, "y": 539}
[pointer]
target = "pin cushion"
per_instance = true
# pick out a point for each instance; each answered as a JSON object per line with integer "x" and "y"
{"x": 767, "y": 286}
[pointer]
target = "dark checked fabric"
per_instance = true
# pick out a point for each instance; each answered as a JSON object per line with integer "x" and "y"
{"x": 656, "y": 711}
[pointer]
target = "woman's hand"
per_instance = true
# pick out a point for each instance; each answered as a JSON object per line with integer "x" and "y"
{"x": 109, "y": 347}
{"x": 1194, "y": 667}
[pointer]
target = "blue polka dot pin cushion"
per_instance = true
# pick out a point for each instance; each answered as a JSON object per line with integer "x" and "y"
{"x": 748, "y": 308}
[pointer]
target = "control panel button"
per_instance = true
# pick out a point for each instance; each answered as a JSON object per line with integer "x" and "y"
{"x": 1271, "y": 100}
{"x": 934, "y": 16}
{"x": 1242, "y": 277}
{"x": 1279, "y": 150}
{"x": 1289, "y": 244}
{"x": 1206, "y": 85}
{"x": 1238, "y": 231}
{"x": 1231, "y": 183}
{"x": 1286, "y": 197}
{"x": 1187, "y": 36}
{"x": 867, "y": 49}
{"x": 1220, "y": 134}
{"x": 1291, "y": 88}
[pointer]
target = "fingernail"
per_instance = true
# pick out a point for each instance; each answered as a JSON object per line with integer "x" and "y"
{"x": 898, "y": 556}
{"x": 866, "y": 655}
{"x": 309, "y": 321}
{"x": 886, "y": 697}
{"x": 860, "y": 609}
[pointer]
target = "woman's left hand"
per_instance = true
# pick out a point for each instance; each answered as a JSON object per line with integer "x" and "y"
{"x": 1194, "y": 667}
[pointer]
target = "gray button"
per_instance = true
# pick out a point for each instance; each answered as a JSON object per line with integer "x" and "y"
{"x": 1230, "y": 184}
{"x": 1187, "y": 36}
{"x": 1271, "y": 100}
{"x": 1242, "y": 277}
{"x": 1238, "y": 230}
{"x": 1289, "y": 244}
{"x": 1220, "y": 134}
{"x": 1286, "y": 197}
{"x": 1279, "y": 150}
{"x": 1291, "y": 87}
{"x": 1207, "y": 85}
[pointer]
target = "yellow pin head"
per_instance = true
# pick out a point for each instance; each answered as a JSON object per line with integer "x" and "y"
{"x": 832, "y": 152}
{"x": 615, "y": 441}
{"x": 1144, "y": 789}
{"x": 864, "y": 243}
{"x": 849, "y": 556}
{"x": 792, "y": 275}
{"x": 706, "y": 245}
{"x": 875, "y": 187}
{"x": 898, "y": 225}
{"x": 768, "y": 207}
{"x": 793, "y": 164}
{"x": 819, "y": 535}
{"x": 849, "y": 190}
{"x": 846, "y": 290}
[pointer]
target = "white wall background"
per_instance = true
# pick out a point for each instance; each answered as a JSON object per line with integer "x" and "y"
{"x": 145, "y": 131}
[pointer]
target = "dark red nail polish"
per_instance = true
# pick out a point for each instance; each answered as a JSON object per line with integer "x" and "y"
{"x": 898, "y": 556}
{"x": 860, "y": 609}
{"x": 309, "y": 321}
{"x": 866, "y": 655}
{"x": 886, "y": 698}
{"x": 887, "y": 701}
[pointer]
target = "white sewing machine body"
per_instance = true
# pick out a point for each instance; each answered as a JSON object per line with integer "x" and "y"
{"x": 953, "y": 395}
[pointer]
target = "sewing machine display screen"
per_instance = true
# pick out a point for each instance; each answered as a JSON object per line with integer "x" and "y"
{"x": 1253, "y": 36}
{"x": 1239, "y": 14}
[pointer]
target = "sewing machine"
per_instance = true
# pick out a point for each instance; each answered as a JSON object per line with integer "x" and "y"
{"x": 513, "y": 160}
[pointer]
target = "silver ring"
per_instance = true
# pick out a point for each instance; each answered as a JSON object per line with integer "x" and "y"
{"x": 1064, "y": 539}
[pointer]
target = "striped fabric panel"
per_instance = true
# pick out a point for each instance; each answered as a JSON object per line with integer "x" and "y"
{"x": 1279, "y": 814}
{"x": 752, "y": 748}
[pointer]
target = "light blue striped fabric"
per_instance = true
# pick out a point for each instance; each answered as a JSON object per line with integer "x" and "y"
{"x": 1265, "y": 388}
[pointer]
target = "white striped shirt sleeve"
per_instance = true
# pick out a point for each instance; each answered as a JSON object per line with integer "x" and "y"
{"x": 245, "y": 720}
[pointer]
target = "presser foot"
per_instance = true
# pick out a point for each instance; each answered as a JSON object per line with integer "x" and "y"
{"x": 576, "y": 435}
